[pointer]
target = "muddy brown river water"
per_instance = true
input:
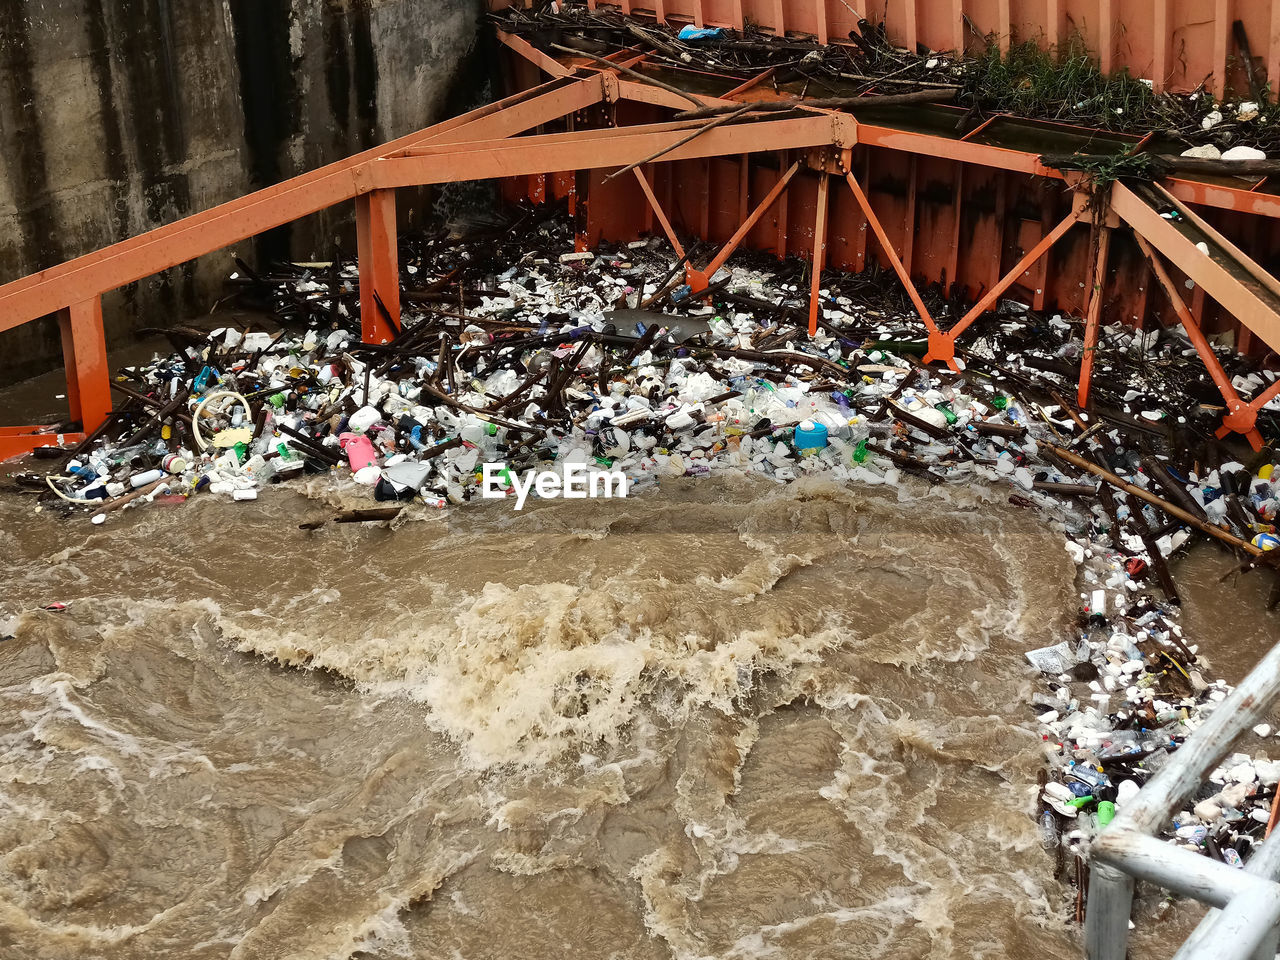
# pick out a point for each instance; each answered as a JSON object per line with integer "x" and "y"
{"x": 721, "y": 719}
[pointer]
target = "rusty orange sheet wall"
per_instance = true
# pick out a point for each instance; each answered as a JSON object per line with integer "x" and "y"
{"x": 1177, "y": 44}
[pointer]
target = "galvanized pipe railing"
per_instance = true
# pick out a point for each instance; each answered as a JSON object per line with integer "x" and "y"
{"x": 1248, "y": 919}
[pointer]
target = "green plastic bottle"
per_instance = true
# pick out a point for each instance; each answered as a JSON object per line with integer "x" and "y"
{"x": 860, "y": 452}
{"x": 1000, "y": 402}
{"x": 1106, "y": 812}
{"x": 945, "y": 409}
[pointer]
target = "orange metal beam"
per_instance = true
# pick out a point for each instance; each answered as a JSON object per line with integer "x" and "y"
{"x": 1160, "y": 33}
{"x": 531, "y": 53}
{"x": 506, "y": 118}
{"x": 783, "y": 213}
{"x": 889, "y": 252}
{"x": 1242, "y": 289}
{"x": 1094, "y": 317}
{"x": 1225, "y": 198}
{"x": 15, "y": 441}
{"x": 84, "y": 356}
{"x": 1052, "y": 22}
{"x": 964, "y": 151}
{"x": 819, "y": 249}
{"x": 587, "y": 137}
{"x": 957, "y": 27}
{"x": 379, "y": 264}
{"x": 615, "y": 147}
{"x": 1244, "y": 262}
{"x": 1221, "y": 29}
{"x": 84, "y": 278}
{"x": 659, "y": 213}
{"x": 1106, "y": 37}
{"x": 1241, "y": 417}
{"x": 1273, "y": 49}
{"x": 699, "y": 279}
{"x": 755, "y": 81}
{"x": 982, "y": 306}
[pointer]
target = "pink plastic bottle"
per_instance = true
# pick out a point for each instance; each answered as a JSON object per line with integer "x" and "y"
{"x": 359, "y": 450}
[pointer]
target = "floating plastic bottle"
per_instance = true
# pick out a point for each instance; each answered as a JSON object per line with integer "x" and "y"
{"x": 810, "y": 436}
{"x": 1048, "y": 830}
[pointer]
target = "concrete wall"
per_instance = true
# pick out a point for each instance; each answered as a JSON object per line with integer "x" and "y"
{"x": 120, "y": 115}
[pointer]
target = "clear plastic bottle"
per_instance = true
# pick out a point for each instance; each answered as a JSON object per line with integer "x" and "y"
{"x": 1049, "y": 830}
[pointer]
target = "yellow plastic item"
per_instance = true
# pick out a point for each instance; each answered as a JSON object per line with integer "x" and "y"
{"x": 1265, "y": 472}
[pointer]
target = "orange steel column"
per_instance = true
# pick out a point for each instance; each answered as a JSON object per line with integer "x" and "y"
{"x": 1221, "y": 30}
{"x": 957, "y": 27}
{"x": 84, "y": 356}
{"x": 819, "y": 249}
{"x": 379, "y": 264}
{"x": 1160, "y": 39}
{"x": 1273, "y": 50}
{"x": 1094, "y": 317}
{"x": 1106, "y": 42}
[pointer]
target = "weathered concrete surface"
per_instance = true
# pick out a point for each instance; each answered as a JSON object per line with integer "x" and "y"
{"x": 120, "y": 115}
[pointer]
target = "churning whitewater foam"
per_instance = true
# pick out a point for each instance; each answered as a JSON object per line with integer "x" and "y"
{"x": 723, "y": 719}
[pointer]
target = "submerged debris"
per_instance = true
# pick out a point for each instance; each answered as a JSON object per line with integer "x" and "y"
{"x": 514, "y": 353}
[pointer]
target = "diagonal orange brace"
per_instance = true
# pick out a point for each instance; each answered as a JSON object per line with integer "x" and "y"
{"x": 1265, "y": 397}
{"x": 1093, "y": 318}
{"x": 1241, "y": 417}
{"x": 819, "y": 249}
{"x": 1023, "y": 265}
{"x": 935, "y": 335}
{"x": 700, "y": 279}
{"x": 658, "y": 212}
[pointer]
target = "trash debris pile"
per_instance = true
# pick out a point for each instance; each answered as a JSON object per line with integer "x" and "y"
{"x": 516, "y": 351}
{"x": 1063, "y": 85}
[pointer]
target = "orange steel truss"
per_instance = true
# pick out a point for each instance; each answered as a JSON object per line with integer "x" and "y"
{"x": 1174, "y": 43}
{"x": 616, "y": 122}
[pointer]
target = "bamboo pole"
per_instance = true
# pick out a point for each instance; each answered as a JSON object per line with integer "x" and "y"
{"x": 1188, "y": 518}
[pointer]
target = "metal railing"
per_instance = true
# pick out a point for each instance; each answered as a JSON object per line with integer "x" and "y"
{"x": 1245, "y": 922}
